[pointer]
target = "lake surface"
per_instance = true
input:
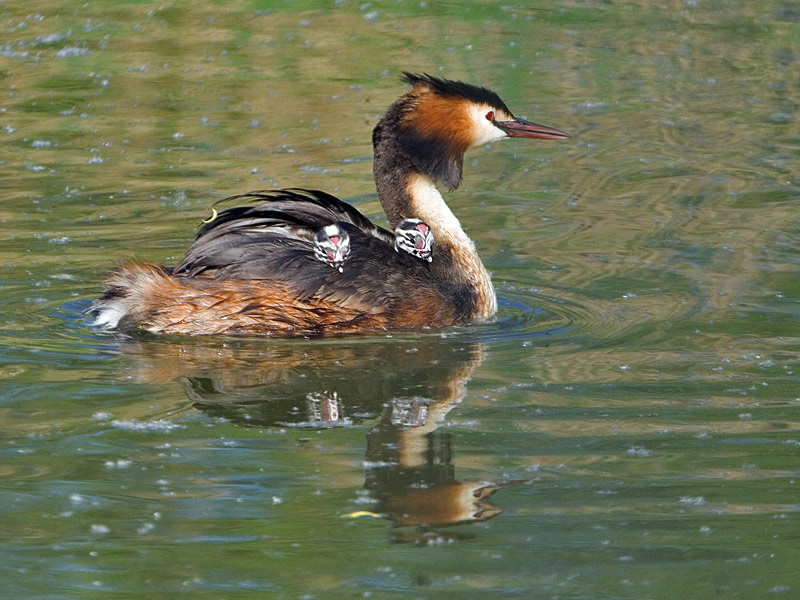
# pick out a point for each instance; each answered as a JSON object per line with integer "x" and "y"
{"x": 628, "y": 426}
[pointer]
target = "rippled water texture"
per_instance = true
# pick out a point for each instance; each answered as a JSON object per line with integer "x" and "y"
{"x": 626, "y": 428}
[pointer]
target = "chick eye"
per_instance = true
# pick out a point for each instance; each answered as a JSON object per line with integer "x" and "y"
{"x": 490, "y": 115}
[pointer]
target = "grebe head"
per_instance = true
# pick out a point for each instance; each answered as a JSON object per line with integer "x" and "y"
{"x": 415, "y": 237}
{"x": 332, "y": 246}
{"x": 439, "y": 119}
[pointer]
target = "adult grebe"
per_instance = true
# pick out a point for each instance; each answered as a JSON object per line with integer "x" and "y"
{"x": 254, "y": 270}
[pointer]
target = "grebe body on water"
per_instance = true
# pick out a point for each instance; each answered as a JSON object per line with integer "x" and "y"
{"x": 262, "y": 269}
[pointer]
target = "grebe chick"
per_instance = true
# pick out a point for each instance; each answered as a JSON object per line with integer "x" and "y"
{"x": 332, "y": 246}
{"x": 415, "y": 237}
{"x": 253, "y": 269}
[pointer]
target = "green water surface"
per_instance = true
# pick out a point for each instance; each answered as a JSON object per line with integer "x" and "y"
{"x": 627, "y": 427}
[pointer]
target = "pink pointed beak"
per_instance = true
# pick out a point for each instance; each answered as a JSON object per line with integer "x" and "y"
{"x": 521, "y": 128}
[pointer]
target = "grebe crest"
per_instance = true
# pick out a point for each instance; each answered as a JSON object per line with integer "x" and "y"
{"x": 332, "y": 246}
{"x": 415, "y": 237}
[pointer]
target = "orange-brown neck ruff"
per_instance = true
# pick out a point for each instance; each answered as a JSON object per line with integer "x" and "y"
{"x": 433, "y": 133}
{"x": 438, "y": 122}
{"x": 427, "y": 204}
{"x": 440, "y": 117}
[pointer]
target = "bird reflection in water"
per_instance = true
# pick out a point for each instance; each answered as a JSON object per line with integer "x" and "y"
{"x": 410, "y": 472}
{"x": 412, "y": 476}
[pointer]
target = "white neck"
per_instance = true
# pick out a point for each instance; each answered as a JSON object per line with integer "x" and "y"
{"x": 427, "y": 204}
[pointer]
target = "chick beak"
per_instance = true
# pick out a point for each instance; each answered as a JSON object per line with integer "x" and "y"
{"x": 520, "y": 128}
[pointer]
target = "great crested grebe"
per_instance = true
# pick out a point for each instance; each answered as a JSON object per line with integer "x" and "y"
{"x": 332, "y": 243}
{"x": 254, "y": 269}
{"x": 415, "y": 237}
{"x": 332, "y": 246}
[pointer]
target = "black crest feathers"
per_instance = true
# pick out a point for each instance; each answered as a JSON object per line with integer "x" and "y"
{"x": 447, "y": 87}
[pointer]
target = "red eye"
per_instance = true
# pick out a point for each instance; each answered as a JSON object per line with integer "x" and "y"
{"x": 490, "y": 115}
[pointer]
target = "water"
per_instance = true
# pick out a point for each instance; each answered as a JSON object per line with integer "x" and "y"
{"x": 626, "y": 428}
